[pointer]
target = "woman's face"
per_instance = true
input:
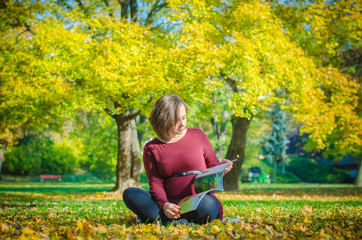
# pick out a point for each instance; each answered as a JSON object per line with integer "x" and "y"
{"x": 180, "y": 126}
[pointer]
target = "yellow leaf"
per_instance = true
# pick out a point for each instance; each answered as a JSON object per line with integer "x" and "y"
{"x": 306, "y": 220}
{"x": 80, "y": 225}
{"x": 27, "y": 231}
{"x": 71, "y": 236}
{"x": 215, "y": 229}
{"x": 100, "y": 230}
{"x": 22, "y": 237}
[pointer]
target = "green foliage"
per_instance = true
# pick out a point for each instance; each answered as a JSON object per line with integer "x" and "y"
{"x": 214, "y": 116}
{"x": 287, "y": 177}
{"x": 95, "y": 136}
{"x": 267, "y": 169}
{"x": 144, "y": 181}
{"x": 257, "y": 131}
{"x": 276, "y": 145}
{"x": 40, "y": 154}
{"x": 309, "y": 170}
{"x": 87, "y": 143}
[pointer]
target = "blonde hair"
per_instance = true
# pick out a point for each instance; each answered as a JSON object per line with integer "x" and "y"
{"x": 164, "y": 115}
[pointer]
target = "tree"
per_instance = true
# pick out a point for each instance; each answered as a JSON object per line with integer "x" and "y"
{"x": 26, "y": 100}
{"x": 329, "y": 32}
{"x": 247, "y": 46}
{"x": 276, "y": 145}
{"x": 110, "y": 64}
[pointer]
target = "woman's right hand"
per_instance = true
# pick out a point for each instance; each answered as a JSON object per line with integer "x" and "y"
{"x": 172, "y": 211}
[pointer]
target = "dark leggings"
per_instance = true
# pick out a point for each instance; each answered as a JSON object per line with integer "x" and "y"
{"x": 140, "y": 202}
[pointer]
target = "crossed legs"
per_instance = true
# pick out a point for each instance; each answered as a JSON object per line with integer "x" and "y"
{"x": 140, "y": 202}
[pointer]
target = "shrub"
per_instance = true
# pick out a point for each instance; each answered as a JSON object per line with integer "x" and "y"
{"x": 308, "y": 170}
{"x": 288, "y": 177}
{"x": 40, "y": 155}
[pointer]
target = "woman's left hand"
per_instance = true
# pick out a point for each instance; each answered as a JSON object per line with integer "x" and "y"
{"x": 229, "y": 167}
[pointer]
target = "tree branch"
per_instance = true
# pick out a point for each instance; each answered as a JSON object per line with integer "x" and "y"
{"x": 28, "y": 29}
{"x": 66, "y": 4}
{"x": 109, "y": 112}
{"x": 108, "y": 5}
{"x": 231, "y": 82}
{"x": 81, "y": 5}
{"x": 156, "y": 7}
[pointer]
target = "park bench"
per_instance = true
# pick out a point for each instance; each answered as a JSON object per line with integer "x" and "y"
{"x": 50, "y": 177}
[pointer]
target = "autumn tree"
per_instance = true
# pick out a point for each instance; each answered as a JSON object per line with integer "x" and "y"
{"x": 99, "y": 59}
{"x": 109, "y": 62}
{"x": 330, "y": 32}
{"x": 248, "y": 47}
{"x": 31, "y": 96}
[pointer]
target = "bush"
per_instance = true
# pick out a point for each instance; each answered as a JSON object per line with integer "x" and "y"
{"x": 288, "y": 177}
{"x": 40, "y": 155}
{"x": 96, "y": 139}
{"x": 309, "y": 170}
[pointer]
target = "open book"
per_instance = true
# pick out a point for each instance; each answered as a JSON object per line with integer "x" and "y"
{"x": 207, "y": 181}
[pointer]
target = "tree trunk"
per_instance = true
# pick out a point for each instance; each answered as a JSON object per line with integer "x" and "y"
{"x": 358, "y": 181}
{"x": 236, "y": 150}
{"x": 134, "y": 10}
{"x": 124, "y": 8}
{"x": 275, "y": 172}
{"x": 129, "y": 6}
{"x": 129, "y": 162}
{"x": 2, "y": 150}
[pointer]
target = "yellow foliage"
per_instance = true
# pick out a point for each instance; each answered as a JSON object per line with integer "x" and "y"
{"x": 95, "y": 61}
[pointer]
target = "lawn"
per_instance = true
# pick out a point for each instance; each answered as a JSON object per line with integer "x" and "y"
{"x": 58, "y": 210}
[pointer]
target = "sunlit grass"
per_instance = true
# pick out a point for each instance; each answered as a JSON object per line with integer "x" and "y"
{"x": 57, "y": 210}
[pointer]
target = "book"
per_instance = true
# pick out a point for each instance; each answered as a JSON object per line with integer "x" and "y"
{"x": 207, "y": 181}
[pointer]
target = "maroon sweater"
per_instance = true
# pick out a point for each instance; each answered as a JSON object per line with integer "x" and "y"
{"x": 162, "y": 160}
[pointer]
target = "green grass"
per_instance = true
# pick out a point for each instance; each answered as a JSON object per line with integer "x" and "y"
{"x": 266, "y": 186}
{"x": 54, "y": 187}
{"x": 58, "y": 210}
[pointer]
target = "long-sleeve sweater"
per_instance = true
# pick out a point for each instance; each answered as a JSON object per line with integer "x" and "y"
{"x": 162, "y": 160}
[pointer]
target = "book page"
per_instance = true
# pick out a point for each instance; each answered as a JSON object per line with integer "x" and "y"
{"x": 210, "y": 179}
{"x": 190, "y": 203}
{"x": 211, "y": 182}
{"x": 212, "y": 170}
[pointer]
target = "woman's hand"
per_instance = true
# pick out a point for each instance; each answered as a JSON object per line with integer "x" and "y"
{"x": 172, "y": 211}
{"x": 229, "y": 167}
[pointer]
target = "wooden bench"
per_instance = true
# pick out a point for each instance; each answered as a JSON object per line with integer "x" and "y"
{"x": 50, "y": 177}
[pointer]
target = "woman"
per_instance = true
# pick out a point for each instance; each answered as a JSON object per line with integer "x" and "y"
{"x": 176, "y": 150}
